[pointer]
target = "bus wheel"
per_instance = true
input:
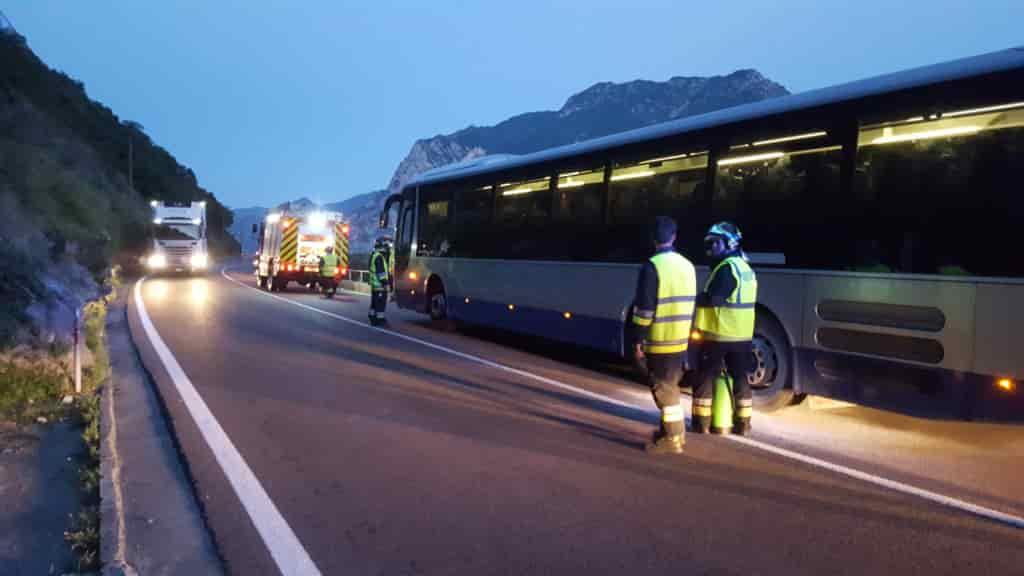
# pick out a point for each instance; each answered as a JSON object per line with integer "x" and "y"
{"x": 438, "y": 302}
{"x": 771, "y": 378}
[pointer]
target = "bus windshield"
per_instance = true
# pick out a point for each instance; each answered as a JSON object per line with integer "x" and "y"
{"x": 176, "y": 232}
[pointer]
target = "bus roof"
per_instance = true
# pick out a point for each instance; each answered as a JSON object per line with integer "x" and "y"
{"x": 994, "y": 62}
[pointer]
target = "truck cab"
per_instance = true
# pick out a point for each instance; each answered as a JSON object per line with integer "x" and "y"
{"x": 179, "y": 237}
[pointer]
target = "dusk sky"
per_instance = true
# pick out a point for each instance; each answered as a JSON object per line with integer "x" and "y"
{"x": 271, "y": 100}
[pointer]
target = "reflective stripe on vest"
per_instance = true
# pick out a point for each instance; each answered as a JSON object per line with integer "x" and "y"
{"x": 670, "y": 323}
{"x": 330, "y": 265}
{"x": 734, "y": 321}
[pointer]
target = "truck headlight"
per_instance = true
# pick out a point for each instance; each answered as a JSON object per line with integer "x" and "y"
{"x": 199, "y": 260}
{"x": 157, "y": 260}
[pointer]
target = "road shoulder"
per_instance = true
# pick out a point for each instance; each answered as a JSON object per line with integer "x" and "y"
{"x": 151, "y": 522}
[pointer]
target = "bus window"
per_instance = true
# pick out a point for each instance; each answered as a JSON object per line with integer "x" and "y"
{"x": 474, "y": 207}
{"x": 942, "y": 193}
{"x": 578, "y": 229}
{"x": 435, "y": 222}
{"x": 522, "y": 218}
{"x": 670, "y": 186}
{"x": 784, "y": 193}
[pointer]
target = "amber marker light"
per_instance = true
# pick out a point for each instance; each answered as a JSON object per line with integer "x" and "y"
{"x": 1005, "y": 384}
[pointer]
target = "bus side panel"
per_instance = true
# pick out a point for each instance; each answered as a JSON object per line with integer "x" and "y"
{"x": 902, "y": 318}
{"x": 998, "y": 341}
{"x": 596, "y": 296}
{"x": 956, "y": 385}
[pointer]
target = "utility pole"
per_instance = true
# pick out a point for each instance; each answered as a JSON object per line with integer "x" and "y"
{"x": 133, "y": 126}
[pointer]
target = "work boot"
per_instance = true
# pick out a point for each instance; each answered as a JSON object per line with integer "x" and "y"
{"x": 664, "y": 444}
{"x": 700, "y": 424}
{"x": 741, "y": 427}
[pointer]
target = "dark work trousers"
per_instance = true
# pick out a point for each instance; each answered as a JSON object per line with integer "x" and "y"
{"x": 663, "y": 373}
{"x": 737, "y": 357}
{"x": 378, "y": 302}
{"x": 328, "y": 285}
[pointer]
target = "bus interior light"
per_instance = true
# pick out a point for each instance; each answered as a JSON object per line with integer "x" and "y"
{"x": 888, "y": 137}
{"x": 983, "y": 110}
{"x": 634, "y": 175}
{"x": 751, "y": 158}
{"x": 517, "y": 191}
{"x": 809, "y": 135}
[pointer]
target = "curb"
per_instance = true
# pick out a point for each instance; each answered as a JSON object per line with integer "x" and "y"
{"x": 150, "y": 520}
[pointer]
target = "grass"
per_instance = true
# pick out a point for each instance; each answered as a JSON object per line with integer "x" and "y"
{"x": 28, "y": 391}
{"x": 84, "y": 537}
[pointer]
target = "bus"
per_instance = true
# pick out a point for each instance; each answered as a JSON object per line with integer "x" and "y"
{"x": 884, "y": 218}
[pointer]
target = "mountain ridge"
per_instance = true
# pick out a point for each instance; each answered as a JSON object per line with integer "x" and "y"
{"x": 601, "y": 109}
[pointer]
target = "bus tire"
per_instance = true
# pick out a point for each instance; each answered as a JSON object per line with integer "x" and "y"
{"x": 772, "y": 375}
{"x": 437, "y": 305}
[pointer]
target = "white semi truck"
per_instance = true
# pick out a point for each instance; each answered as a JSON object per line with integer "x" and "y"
{"x": 179, "y": 237}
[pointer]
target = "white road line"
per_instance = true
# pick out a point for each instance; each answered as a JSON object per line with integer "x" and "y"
{"x": 988, "y": 513}
{"x": 289, "y": 555}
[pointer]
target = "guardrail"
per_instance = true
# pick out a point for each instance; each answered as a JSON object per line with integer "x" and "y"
{"x": 361, "y": 276}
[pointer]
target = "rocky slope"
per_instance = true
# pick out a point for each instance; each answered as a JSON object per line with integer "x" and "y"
{"x": 67, "y": 210}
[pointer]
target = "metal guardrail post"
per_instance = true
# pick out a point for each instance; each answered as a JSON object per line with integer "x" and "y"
{"x": 77, "y": 354}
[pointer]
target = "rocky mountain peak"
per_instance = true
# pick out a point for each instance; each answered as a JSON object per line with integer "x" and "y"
{"x": 602, "y": 109}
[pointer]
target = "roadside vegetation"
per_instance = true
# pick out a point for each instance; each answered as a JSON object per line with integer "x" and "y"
{"x": 84, "y": 537}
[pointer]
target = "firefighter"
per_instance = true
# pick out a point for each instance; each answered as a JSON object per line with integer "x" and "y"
{"x": 328, "y": 268}
{"x": 380, "y": 280}
{"x": 725, "y": 322}
{"x": 662, "y": 311}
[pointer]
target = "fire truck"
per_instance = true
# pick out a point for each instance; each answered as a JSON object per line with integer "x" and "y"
{"x": 291, "y": 243}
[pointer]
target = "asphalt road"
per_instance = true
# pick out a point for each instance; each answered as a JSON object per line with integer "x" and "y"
{"x": 387, "y": 456}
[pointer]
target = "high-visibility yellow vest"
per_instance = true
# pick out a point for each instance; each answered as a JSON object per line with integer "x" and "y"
{"x": 330, "y": 265}
{"x": 670, "y": 321}
{"x": 734, "y": 321}
{"x": 378, "y": 270}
